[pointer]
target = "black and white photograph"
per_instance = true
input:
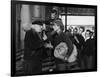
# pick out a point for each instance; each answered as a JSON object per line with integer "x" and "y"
{"x": 52, "y": 38}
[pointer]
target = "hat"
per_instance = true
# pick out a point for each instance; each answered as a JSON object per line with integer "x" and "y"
{"x": 37, "y": 22}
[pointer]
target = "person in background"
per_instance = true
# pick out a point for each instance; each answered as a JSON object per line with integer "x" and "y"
{"x": 81, "y": 44}
{"x": 75, "y": 30}
{"x": 88, "y": 51}
{"x": 81, "y": 30}
{"x": 79, "y": 41}
{"x": 71, "y": 29}
{"x": 87, "y": 34}
{"x": 81, "y": 38}
{"x": 93, "y": 51}
{"x": 75, "y": 39}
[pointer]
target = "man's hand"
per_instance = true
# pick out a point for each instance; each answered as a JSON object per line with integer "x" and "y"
{"x": 65, "y": 58}
{"x": 44, "y": 37}
{"x": 48, "y": 45}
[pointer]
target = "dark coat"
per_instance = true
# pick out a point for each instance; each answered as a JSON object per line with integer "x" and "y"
{"x": 33, "y": 46}
{"x": 89, "y": 47}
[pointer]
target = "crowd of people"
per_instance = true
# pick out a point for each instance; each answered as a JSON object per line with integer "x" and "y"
{"x": 46, "y": 39}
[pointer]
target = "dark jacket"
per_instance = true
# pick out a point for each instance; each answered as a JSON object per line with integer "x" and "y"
{"x": 89, "y": 47}
{"x": 33, "y": 46}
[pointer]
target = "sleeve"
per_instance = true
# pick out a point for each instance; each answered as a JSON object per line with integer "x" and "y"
{"x": 69, "y": 44}
{"x": 26, "y": 45}
{"x": 26, "y": 40}
{"x": 32, "y": 42}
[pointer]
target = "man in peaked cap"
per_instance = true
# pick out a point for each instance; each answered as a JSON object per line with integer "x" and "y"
{"x": 33, "y": 49}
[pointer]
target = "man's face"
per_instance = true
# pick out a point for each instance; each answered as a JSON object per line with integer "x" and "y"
{"x": 87, "y": 34}
{"x": 44, "y": 27}
{"x": 38, "y": 28}
{"x": 71, "y": 30}
{"x": 53, "y": 15}
{"x": 75, "y": 31}
{"x": 80, "y": 31}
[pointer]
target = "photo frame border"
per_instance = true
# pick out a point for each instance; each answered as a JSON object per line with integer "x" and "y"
{"x": 13, "y": 32}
